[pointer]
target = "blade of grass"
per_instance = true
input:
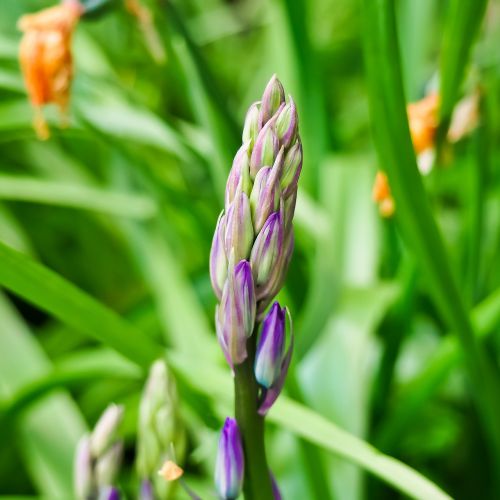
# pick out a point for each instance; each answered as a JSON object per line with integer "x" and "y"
{"x": 414, "y": 215}
{"x": 50, "y": 292}
{"x": 29, "y": 189}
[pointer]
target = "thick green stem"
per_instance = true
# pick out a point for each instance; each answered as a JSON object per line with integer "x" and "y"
{"x": 257, "y": 483}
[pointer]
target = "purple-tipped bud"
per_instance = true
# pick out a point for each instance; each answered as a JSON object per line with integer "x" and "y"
{"x": 83, "y": 469}
{"x": 291, "y": 169}
{"x": 286, "y": 124}
{"x": 230, "y": 462}
{"x": 236, "y": 313}
{"x": 218, "y": 258}
{"x": 271, "y": 394}
{"x": 252, "y": 123}
{"x": 109, "y": 493}
{"x": 239, "y": 176}
{"x": 239, "y": 234}
{"x": 105, "y": 430}
{"x": 272, "y": 99}
{"x": 265, "y": 149}
{"x": 265, "y": 195}
{"x": 271, "y": 347}
{"x": 267, "y": 249}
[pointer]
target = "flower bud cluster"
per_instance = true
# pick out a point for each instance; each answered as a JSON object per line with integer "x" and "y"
{"x": 253, "y": 240}
{"x": 98, "y": 458}
{"x": 159, "y": 428}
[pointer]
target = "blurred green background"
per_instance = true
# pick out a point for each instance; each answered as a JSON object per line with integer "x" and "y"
{"x": 123, "y": 203}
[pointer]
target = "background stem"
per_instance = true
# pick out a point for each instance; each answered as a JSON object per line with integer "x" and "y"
{"x": 257, "y": 483}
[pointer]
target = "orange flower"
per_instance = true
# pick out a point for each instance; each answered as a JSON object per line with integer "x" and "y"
{"x": 423, "y": 122}
{"x": 170, "y": 471}
{"x": 45, "y": 57}
{"x": 381, "y": 194}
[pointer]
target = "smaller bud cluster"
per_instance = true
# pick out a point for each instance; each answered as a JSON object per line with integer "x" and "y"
{"x": 159, "y": 429}
{"x": 98, "y": 458}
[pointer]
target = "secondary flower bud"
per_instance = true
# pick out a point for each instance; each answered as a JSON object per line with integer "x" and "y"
{"x": 267, "y": 249}
{"x": 271, "y": 347}
{"x": 272, "y": 99}
{"x": 292, "y": 166}
{"x": 218, "y": 259}
{"x": 265, "y": 149}
{"x": 239, "y": 176}
{"x": 239, "y": 233}
{"x": 105, "y": 430}
{"x": 235, "y": 317}
{"x": 108, "y": 465}
{"x": 286, "y": 124}
{"x": 252, "y": 123}
{"x": 230, "y": 462}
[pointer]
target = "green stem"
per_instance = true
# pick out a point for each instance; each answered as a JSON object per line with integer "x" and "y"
{"x": 257, "y": 483}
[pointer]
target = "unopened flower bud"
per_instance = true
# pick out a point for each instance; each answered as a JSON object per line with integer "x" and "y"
{"x": 83, "y": 469}
{"x": 105, "y": 430}
{"x": 267, "y": 249}
{"x": 291, "y": 169}
{"x": 265, "y": 149}
{"x": 252, "y": 124}
{"x": 239, "y": 233}
{"x": 264, "y": 198}
{"x": 286, "y": 124}
{"x": 239, "y": 176}
{"x": 108, "y": 493}
{"x": 236, "y": 313}
{"x": 218, "y": 259}
{"x": 272, "y": 99}
{"x": 230, "y": 462}
{"x": 270, "y": 348}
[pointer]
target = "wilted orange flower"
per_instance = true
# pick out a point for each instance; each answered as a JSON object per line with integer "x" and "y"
{"x": 45, "y": 57}
{"x": 423, "y": 122}
{"x": 381, "y": 194}
{"x": 170, "y": 471}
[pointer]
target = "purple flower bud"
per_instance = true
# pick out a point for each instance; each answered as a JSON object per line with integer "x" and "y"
{"x": 252, "y": 123}
{"x": 271, "y": 347}
{"x": 238, "y": 236}
{"x": 108, "y": 493}
{"x": 264, "y": 197}
{"x": 272, "y": 99}
{"x": 230, "y": 462}
{"x": 286, "y": 124}
{"x": 83, "y": 469}
{"x": 239, "y": 176}
{"x": 271, "y": 394}
{"x": 265, "y": 149}
{"x": 218, "y": 258}
{"x": 235, "y": 317}
{"x": 291, "y": 169}
{"x": 267, "y": 249}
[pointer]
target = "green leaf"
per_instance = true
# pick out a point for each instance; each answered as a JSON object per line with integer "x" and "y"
{"x": 52, "y": 293}
{"x": 63, "y": 194}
